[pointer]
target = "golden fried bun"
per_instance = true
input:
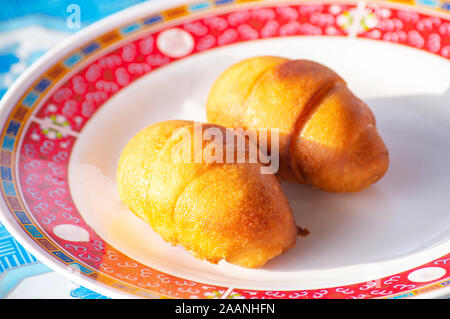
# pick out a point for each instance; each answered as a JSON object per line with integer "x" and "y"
{"x": 215, "y": 210}
{"x": 328, "y": 137}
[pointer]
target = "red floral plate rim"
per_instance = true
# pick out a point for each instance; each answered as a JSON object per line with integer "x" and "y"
{"x": 41, "y": 123}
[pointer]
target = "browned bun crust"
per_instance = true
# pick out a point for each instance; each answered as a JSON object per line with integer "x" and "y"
{"x": 215, "y": 210}
{"x": 328, "y": 137}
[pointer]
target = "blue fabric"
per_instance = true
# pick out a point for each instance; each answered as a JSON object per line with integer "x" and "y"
{"x": 53, "y": 12}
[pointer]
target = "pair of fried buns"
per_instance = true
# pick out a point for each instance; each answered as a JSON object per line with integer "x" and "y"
{"x": 232, "y": 211}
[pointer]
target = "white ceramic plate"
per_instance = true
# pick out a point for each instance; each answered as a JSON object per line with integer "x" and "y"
{"x": 67, "y": 119}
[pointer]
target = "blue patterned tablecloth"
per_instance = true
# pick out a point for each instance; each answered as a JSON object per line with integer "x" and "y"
{"x": 28, "y": 28}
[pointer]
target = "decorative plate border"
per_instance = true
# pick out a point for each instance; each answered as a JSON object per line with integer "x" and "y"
{"x": 42, "y": 127}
